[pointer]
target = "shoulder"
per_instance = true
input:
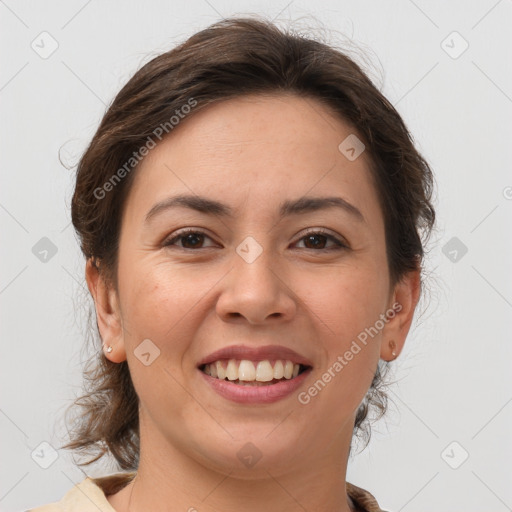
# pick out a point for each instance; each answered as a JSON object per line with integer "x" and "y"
{"x": 364, "y": 501}
{"x": 90, "y": 495}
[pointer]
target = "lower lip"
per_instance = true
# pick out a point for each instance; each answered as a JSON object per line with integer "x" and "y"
{"x": 255, "y": 394}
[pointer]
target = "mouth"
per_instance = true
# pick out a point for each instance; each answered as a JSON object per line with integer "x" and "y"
{"x": 245, "y": 372}
{"x": 254, "y": 375}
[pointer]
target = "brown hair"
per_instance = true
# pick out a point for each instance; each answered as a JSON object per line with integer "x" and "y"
{"x": 232, "y": 58}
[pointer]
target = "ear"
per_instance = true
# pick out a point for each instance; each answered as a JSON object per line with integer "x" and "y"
{"x": 405, "y": 297}
{"x": 108, "y": 314}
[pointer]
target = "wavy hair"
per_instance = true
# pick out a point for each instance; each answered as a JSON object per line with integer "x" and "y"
{"x": 232, "y": 58}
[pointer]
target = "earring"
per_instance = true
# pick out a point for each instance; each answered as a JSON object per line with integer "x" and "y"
{"x": 109, "y": 349}
{"x": 392, "y": 345}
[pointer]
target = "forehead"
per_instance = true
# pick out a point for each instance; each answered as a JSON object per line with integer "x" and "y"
{"x": 253, "y": 151}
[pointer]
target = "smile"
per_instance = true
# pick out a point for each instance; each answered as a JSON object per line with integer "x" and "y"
{"x": 253, "y": 373}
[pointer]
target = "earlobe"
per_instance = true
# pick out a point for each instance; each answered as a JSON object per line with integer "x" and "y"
{"x": 403, "y": 304}
{"x": 108, "y": 314}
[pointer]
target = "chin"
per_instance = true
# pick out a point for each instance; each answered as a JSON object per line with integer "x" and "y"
{"x": 255, "y": 455}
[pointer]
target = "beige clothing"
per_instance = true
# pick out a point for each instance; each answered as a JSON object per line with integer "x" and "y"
{"x": 90, "y": 496}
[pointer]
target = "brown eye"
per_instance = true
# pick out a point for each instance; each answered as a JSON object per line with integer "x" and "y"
{"x": 315, "y": 241}
{"x": 190, "y": 239}
{"x": 319, "y": 239}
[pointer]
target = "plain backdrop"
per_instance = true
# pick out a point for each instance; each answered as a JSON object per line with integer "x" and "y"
{"x": 445, "y": 443}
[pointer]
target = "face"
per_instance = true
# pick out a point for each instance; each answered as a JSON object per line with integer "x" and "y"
{"x": 255, "y": 282}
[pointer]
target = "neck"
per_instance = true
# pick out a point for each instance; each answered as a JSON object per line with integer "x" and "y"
{"x": 179, "y": 482}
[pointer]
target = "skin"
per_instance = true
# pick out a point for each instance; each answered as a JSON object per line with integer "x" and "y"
{"x": 250, "y": 153}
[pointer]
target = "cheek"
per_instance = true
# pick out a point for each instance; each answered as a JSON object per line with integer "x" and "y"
{"x": 345, "y": 299}
{"x": 155, "y": 301}
{"x": 157, "y": 306}
{"x": 347, "y": 305}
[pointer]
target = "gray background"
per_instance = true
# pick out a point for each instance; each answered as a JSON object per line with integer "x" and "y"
{"x": 453, "y": 379}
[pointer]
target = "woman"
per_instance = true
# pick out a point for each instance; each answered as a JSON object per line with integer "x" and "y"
{"x": 250, "y": 210}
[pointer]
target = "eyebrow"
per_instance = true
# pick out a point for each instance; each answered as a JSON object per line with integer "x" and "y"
{"x": 287, "y": 208}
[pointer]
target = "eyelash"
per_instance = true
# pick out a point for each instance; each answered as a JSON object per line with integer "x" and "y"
{"x": 182, "y": 234}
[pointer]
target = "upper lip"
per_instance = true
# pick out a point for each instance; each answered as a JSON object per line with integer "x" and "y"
{"x": 266, "y": 352}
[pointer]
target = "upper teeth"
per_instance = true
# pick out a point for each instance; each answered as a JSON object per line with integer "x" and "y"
{"x": 261, "y": 371}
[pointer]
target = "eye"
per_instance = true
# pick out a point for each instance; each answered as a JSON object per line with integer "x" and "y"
{"x": 191, "y": 239}
{"x": 318, "y": 238}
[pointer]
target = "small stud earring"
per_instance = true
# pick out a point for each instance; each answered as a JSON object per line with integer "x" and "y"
{"x": 392, "y": 345}
{"x": 109, "y": 349}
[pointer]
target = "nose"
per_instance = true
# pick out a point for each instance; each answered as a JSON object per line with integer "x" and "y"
{"x": 257, "y": 291}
